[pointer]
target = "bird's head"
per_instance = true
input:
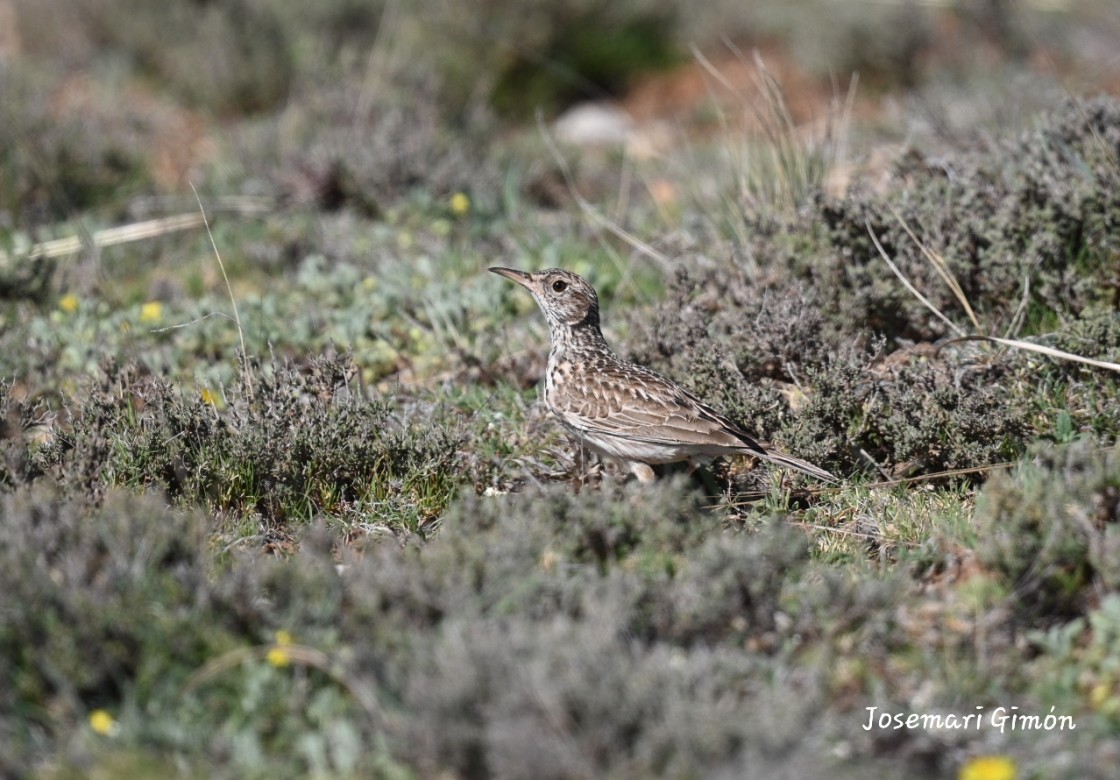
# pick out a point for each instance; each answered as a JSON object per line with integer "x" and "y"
{"x": 567, "y": 299}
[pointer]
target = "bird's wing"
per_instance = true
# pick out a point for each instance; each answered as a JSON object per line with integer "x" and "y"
{"x": 641, "y": 405}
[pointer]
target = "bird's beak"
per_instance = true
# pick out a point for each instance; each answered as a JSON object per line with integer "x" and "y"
{"x": 522, "y": 278}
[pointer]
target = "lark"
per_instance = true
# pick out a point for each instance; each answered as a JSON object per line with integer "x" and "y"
{"x": 618, "y": 409}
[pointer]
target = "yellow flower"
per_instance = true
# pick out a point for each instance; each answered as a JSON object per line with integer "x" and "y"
{"x": 152, "y": 311}
{"x": 103, "y": 723}
{"x": 69, "y": 303}
{"x": 278, "y": 655}
{"x": 460, "y": 204}
{"x": 208, "y": 397}
{"x": 988, "y": 768}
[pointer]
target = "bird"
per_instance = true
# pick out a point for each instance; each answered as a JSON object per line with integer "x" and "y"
{"x": 619, "y": 409}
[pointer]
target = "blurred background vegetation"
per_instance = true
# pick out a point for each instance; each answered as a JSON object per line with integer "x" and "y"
{"x": 275, "y": 493}
{"x": 109, "y": 100}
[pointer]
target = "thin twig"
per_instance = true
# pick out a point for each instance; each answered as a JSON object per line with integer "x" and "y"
{"x": 229, "y": 289}
{"x": 902, "y": 278}
{"x": 137, "y": 231}
{"x": 195, "y": 321}
{"x": 758, "y": 495}
{"x": 857, "y": 534}
{"x": 586, "y": 207}
{"x": 961, "y": 335}
{"x": 1020, "y": 310}
{"x": 939, "y": 265}
{"x": 124, "y": 234}
{"x": 1032, "y": 347}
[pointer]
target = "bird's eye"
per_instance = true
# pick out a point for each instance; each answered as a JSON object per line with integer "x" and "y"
{"x": 559, "y": 285}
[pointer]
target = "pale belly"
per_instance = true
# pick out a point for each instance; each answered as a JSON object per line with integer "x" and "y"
{"x": 626, "y": 449}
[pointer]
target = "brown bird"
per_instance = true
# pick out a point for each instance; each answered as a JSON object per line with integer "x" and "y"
{"x": 619, "y": 409}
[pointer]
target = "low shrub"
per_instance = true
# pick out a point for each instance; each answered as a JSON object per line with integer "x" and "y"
{"x": 1052, "y": 530}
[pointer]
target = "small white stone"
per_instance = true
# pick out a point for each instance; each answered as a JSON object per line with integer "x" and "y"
{"x": 593, "y": 124}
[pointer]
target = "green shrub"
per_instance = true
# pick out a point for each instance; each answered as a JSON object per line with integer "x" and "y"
{"x": 293, "y": 443}
{"x": 229, "y": 57}
{"x": 53, "y": 166}
{"x": 99, "y": 605}
{"x": 1077, "y": 667}
{"x": 759, "y": 350}
{"x": 918, "y": 419}
{"x": 1042, "y": 207}
{"x": 1052, "y": 531}
{"x": 815, "y": 344}
{"x": 583, "y": 51}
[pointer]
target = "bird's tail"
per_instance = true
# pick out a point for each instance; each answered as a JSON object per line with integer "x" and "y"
{"x": 801, "y": 465}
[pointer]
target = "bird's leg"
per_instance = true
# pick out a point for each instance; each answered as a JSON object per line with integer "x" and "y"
{"x": 578, "y": 464}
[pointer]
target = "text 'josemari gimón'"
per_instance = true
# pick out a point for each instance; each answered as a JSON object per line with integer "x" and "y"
{"x": 1002, "y": 719}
